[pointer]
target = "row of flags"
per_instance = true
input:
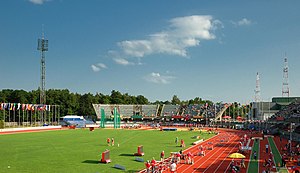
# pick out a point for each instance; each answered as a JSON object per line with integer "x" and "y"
{"x": 27, "y": 107}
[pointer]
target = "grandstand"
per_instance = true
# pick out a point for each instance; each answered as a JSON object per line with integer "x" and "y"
{"x": 266, "y": 110}
{"x": 127, "y": 111}
{"x": 169, "y": 110}
{"x": 195, "y": 112}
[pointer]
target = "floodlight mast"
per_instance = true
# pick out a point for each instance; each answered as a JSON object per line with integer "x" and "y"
{"x": 42, "y": 47}
{"x": 285, "y": 83}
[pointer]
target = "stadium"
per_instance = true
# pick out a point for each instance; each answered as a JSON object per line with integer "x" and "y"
{"x": 204, "y": 128}
{"x": 113, "y": 68}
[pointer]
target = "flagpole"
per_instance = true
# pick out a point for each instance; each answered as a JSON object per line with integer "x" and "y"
{"x": 4, "y": 116}
{"x": 23, "y": 117}
{"x": 27, "y": 116}
{"x": 34, "y": 118}
{"x": 14, "y": 116}
{"x": 9, "y": 118}
{"x": 19, "y": 116}
{"x": 31, "y": 118}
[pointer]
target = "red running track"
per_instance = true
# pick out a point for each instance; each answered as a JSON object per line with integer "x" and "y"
{"x": 215, "y": 160}
{"x": 263, "y": 155}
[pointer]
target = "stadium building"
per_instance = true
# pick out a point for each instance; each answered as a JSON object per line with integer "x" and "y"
{"x": 266, "y": 110}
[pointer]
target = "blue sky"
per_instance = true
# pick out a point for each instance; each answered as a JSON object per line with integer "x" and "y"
{"x": 208, "y": 49}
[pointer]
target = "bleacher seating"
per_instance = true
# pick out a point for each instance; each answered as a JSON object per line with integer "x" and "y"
{"x": 290, "y": 113}
{"x": 149, "y": 110}
{"x": 169, "y": 110}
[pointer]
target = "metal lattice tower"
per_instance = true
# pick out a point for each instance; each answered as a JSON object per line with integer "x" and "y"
{"x": 257, "y": 88}
{"x": 43, "y": 47}
{"x": 285, "y": 83}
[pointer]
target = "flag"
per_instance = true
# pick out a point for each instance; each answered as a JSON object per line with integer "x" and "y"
{"x": 14, "y": 106}
{"x": 19, "y": 105}
{"x": 5, "y": 105}
{"x": 23, "y": 106}
{"x": 1, "y": 106}
{"x": 41, "y": 107}
{"x": 32, "y": 107}
{"x": 28, "y": 106}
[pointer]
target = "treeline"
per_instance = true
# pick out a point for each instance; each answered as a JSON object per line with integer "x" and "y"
{"x": 81, "y": 104}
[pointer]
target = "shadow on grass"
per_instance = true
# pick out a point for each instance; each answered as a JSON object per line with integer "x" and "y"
{"x": 91, "y": 161}
{"x": 132, "y": 171}
{"x": 126, "y": 155}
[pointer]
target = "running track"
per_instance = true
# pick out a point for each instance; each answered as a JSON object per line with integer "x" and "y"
{"x": 215, "y": 160}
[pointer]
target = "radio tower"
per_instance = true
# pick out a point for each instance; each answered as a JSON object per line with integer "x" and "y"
{"x": 42, "y": 47}
{"x": 285, "y": 83}
{"x": 257, "y": 89}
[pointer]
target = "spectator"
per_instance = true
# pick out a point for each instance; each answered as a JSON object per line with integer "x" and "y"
{"x": 147, "y": 164}
{"x": 153, "y": 163}
{"x": 173, "y": 167}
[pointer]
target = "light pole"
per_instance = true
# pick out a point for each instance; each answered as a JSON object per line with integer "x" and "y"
{"x": 291, "y": 136}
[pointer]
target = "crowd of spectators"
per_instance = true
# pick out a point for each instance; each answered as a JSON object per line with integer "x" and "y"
{"x": 289, "y": 112}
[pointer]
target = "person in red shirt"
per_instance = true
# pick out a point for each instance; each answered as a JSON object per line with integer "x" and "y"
{"x": 108, "y": 141}
{"x": 153, "y": 163}
{"x": 182, "y": 143}
{"x": 162, "y": 155}
{"x": 189, "y": 158}
{"x": 147, "y": 164}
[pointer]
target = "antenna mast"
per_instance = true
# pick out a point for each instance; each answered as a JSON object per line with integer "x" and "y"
{"x": 285, "y": 83}
{"x": 257, "y": 88}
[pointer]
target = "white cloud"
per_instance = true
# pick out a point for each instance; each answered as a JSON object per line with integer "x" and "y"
{"x": 182, "y": 33}
{"x": 98, "y": 67}
{"x": 158, "y": 79}
{"x": 243, "y": 22}
{"x": 39, "y": 2}
{"x": 122, "y": 61}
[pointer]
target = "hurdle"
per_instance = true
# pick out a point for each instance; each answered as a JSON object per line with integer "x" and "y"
{"x": 140, "y": 151}
{"x": 105, "y": 157}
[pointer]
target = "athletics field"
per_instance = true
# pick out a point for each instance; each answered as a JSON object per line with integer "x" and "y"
{"x": 80, "y": 150}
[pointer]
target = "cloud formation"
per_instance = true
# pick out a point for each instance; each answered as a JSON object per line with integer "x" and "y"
{"x": 158, "y": 78}
{"x": 122, "y": 61}
{"x": 38, "y": 2}
{"x": 182, "y": 33}
{"x": 98, "y": 67}
{"x": 243, "y": 22}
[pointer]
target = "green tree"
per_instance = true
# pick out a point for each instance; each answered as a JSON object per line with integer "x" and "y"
{"x": 142, "y": 100}
{"x": 175, "y": 100}
{"x": 116, "y": 97}
{"x": 85, "y": 104}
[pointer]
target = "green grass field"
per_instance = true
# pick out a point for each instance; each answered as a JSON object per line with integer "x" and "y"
{"x": 253, "y": 165}
{"x": 80, "y": 150}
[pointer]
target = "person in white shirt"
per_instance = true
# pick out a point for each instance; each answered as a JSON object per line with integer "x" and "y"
{"x": 173, "y": 167}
